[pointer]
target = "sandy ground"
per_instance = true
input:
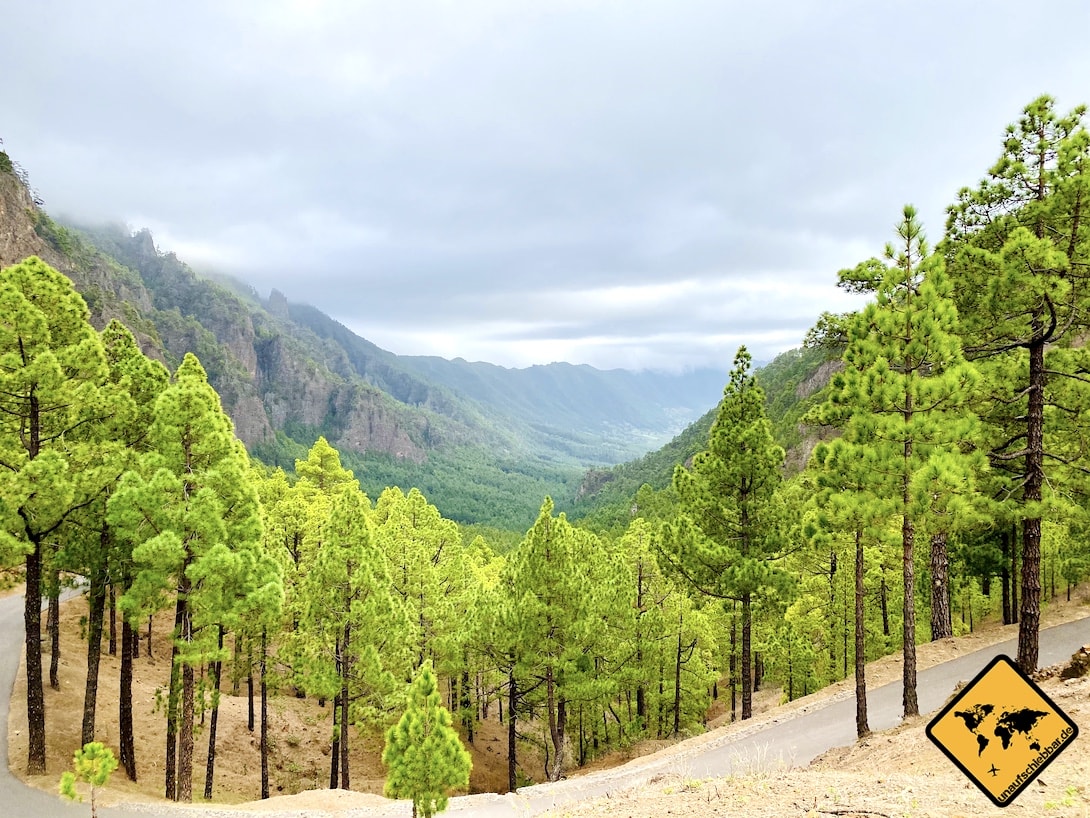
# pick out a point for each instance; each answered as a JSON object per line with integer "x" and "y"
{"x": 893, "y": 773}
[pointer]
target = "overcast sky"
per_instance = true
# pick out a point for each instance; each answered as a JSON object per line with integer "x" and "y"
{"x": 626, "y": 184}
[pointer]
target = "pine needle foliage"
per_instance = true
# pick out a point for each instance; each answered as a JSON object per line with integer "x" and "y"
{"x": 425, "y": 757}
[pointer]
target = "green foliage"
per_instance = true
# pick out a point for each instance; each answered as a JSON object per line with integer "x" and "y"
{"x": 723, "y": 542}
{"x": 425, "y": 757}
{"x": 93, "y": 764}
{"x": 730, "y": 528}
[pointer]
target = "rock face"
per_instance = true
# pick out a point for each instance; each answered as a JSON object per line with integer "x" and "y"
{"x": 17, "y": 237}
{"x": 820, "y": 379}
{"x": 265, "y": 380}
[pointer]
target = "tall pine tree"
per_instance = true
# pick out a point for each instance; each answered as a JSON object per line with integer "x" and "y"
{"x": 1018, "y": 250}
{"x": 902, "y": 395}
{"x": 53, "y": 392}
{"x": 724, "y": 542}
{"x": 192, "y": 508}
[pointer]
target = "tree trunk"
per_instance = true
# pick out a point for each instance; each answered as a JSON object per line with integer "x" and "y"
{"x": 346, "y": 672}
{"x": 35, "y": 696}
{"x": 171, "y": 763}
{"x": 941, "y": 625}
{"x": 512, "y": 702}
{"x": 747, "y": 657}
{"x": 185, "y": 750}
{"x": 884, "y": 600}
{"x": 264, "y": 718}
{"x": 95, "y": 615}
{"x": 210, "y": 764}
{"x": 113, "y": 604}
{"x": 555, "y": 726}
{"x": 861, "y": 726}
{"x": 129, "y": 640}
{"x": 832, "y": 606}
{"x": 250, "y": 685}
{"x": 1014, "y": 574}
{"x": 908, "y": 678}
{"x": 54, "y": 632}
{"x": 677, "y": 681}
{"x": 335, "y": 748}
{"x": 1005, "y": 578}
{"x": 732, "y": 665}
{"x": 236, "y": 674}
{"x": 465, "y": 703}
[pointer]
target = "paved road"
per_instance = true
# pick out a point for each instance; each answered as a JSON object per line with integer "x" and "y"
{"x": 17, "y": 799}
{"x": 791, "y": 742}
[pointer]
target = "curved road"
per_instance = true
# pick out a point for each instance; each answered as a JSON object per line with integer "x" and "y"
{"x": 793, "y": 742}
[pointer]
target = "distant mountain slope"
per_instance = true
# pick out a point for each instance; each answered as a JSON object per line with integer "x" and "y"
{"x": 485, "y": 443}
{"x": 568, "y": 408}
{"x": 792, "y": 383}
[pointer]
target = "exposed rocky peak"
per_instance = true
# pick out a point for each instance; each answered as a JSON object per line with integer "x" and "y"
{"x": 17, "y": 237}
{"x": 819, "y": 379}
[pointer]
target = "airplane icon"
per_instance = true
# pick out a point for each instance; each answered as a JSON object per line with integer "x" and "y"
{"x": 993, "y": 771}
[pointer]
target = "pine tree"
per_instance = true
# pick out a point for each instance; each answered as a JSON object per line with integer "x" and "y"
{"x": 53, "y": 394}
{"x": 845, "y": 502}
{"x": 93, "y": 764}
{"x": 425, "y": 757}
{"x": 422, "y": 549}
{"x": 1018, "y": 249}
{"x": 550, "y": 600}
{"x": 192, "y": 509}
{"x": 724, "y": 542}
{"x": 92, "y": 548}
{"x": 354, "y": 626}
{"x": 901, "y": 397}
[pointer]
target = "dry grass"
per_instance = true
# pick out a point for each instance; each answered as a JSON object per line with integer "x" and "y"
{"x": 894, "y": 773}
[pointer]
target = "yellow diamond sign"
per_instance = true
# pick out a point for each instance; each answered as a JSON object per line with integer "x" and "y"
{"x": 1001, "y": 730}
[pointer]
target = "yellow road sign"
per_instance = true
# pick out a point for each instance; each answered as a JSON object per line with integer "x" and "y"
{"x": 1001, "y": 730}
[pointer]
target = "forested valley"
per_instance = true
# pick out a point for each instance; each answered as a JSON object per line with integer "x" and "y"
{"x": 916, "y": 468}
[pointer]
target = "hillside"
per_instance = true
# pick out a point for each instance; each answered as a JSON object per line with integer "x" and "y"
{"x": 791, "y": 382}
{"x": 484, "y": 442}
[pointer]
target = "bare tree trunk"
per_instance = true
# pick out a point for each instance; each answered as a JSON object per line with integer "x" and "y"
{"x": 862, "y": 728}
{"x": 733, "y": 665}
{"x": 54, "y": 632}
{"x": 556, "y": 727}
{"x": 747, "y": 657}
{"x": 335, "y": 749}
{"x": 35, "y": 696}
{"x": 250, "y": 685}
{"x": 171, "y": 763}
{"x": 677, "y": 682}
{"x": 96, "y": 609}
{"x": 264, "y": 718}
{"x": 129, "y": 640}
{"x": 346, "y": 671}
{"x": 113, "y": 610}
{"x": 941, "y": 625}
{"x": 884, "y": 599}
{"x": 210, "y": 764}
{"x": 908, "y": 678}
{"x": 185, "y": 750}
{"x": 512, "y": 702}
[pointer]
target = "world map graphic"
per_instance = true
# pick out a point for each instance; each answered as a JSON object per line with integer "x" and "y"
{"x": 1005, "y": 726}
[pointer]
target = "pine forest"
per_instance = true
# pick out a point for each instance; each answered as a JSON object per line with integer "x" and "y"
{"x": 932, "y": 474}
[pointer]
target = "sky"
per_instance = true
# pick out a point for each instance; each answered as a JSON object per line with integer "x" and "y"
{"x": 625, "y": 184}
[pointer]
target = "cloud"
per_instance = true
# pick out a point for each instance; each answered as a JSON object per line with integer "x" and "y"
{"x": 636, "y": 184}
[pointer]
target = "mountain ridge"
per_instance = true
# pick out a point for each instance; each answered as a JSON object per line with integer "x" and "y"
{"x": 288, "y": 372}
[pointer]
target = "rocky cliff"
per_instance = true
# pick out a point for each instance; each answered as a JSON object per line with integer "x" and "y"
{"x": 266, "y": 381}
